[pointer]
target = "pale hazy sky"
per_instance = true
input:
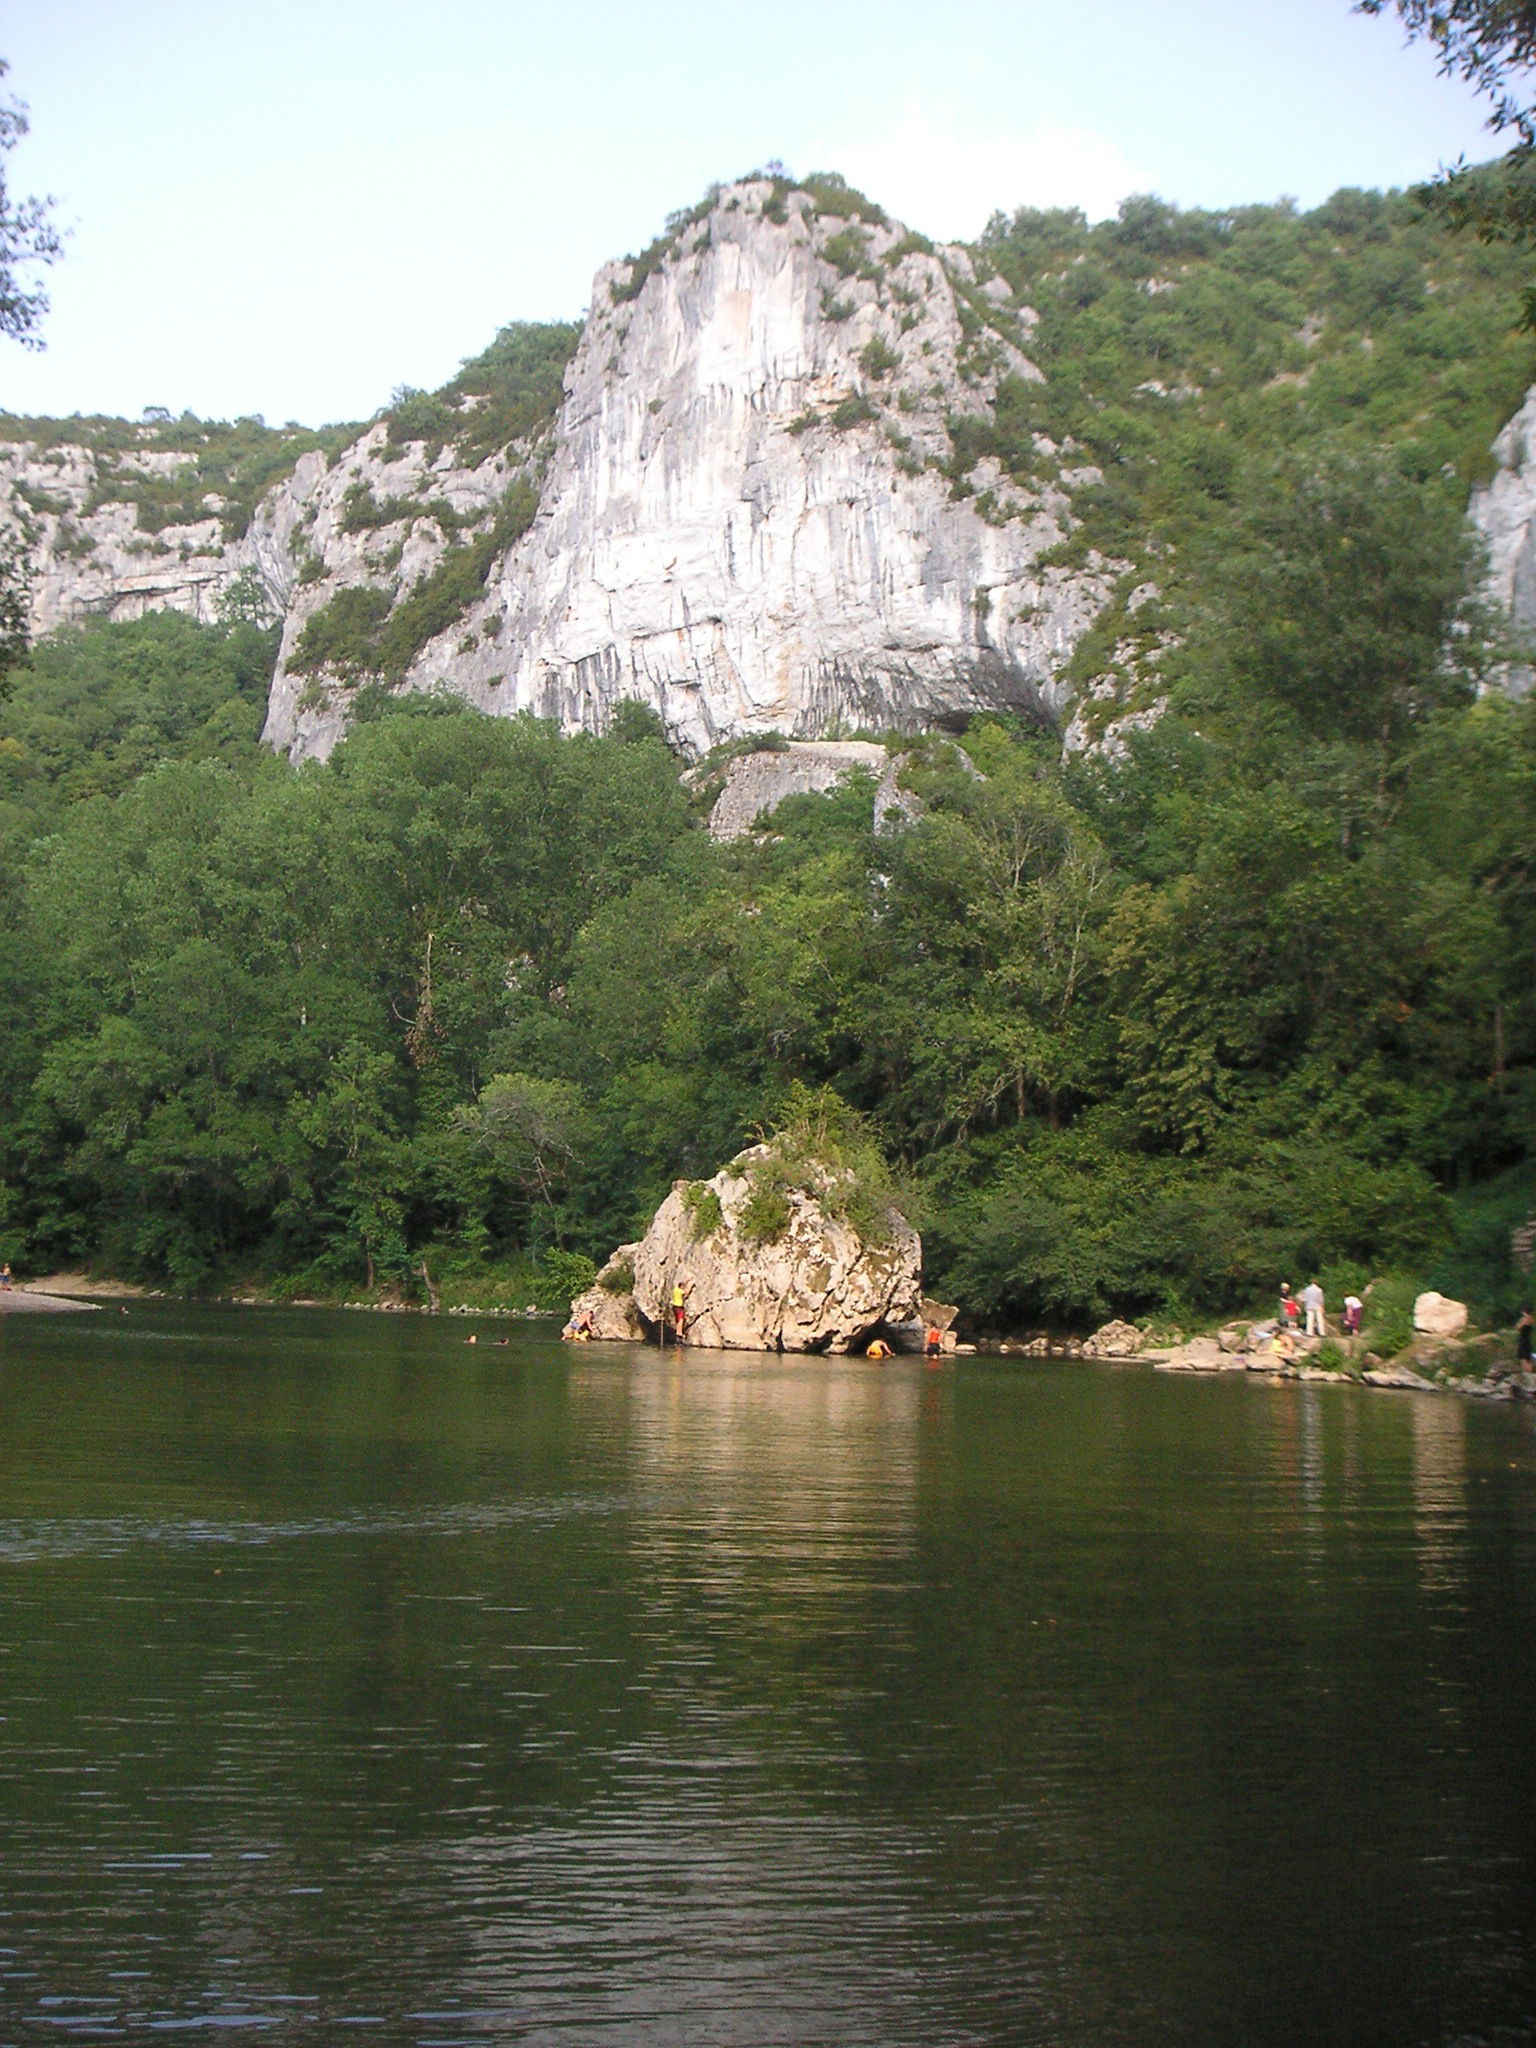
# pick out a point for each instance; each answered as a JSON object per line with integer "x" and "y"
{"x": 290, "y": 208}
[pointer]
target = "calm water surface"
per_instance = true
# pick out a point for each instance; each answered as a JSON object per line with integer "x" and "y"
{"x": 360, "y": 1685}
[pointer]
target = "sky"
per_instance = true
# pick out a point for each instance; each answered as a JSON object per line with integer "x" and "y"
{"x": 290, "y": 210}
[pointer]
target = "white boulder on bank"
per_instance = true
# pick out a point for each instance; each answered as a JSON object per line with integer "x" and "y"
{"x": 1436, "y": 1315}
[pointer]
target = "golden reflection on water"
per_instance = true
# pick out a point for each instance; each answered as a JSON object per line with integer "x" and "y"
{"x": 838, "y": 1441}
{"x": 1439, "y": 1428}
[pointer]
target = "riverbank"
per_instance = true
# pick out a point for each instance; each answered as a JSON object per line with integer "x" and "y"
{"x": 72, "y": 1285}
{"x": 1430, "y": 1365}
{"x": 1394, "y": 1375}
{"x": 23, "y": 1301}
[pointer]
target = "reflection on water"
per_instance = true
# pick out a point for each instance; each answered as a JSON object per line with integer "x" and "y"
{"x": 1440, "y": 1493}
{"x": 357, "y": 1685}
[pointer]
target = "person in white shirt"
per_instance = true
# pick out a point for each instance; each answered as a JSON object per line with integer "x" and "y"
{"x": 1312, "y": 1303}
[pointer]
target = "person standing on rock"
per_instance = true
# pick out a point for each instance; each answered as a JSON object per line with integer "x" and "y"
{"x": 1290, "y": 1309}
{"x": 1523, "y": 1330}
{"x": 5, "y": 1276}
{"x": 1312, "y": 1302}
{"x": 1354, "y": 1309}
{"x": 679, "y": 1310}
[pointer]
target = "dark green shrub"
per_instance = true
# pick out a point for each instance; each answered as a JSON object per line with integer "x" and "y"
{"x": 562, "y": 1276}
{"x": 344, "y": 634}
{"x": 510, "y": 392}
{"x": 764, "y": 1215}
{"x": 852, "y": 412}
{"x": 443, "y": 597}
{"x": 1387, "y": 1325}
{"x": 833, "y": 195}
{"x": 847, "y": 252}
{"x": 361, "y": 512}
{"x": 704, "y": 1211}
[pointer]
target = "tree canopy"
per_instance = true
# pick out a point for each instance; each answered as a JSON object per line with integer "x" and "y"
{"x": 28, "y": 236}
{"x": 1134, "y": 1032}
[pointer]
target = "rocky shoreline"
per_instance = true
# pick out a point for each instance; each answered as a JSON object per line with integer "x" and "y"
{"x": 1427, "y": 1367}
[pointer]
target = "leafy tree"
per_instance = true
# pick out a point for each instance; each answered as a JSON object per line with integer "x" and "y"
{"x": 1487, "y": 42}
{"x": 528, "y": 1130}
{"x": 27, "y": 236}
{"x": 1492, "y": 45}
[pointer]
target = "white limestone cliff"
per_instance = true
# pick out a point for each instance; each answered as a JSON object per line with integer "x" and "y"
{"x": 1504, "y": 512}
{"x": 90, "y": 556}
{"x": 745, "y": 517}
{"x": 737, "y": 525}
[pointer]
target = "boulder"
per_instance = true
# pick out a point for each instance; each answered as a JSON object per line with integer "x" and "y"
{"x": 931, "y": 1315}
{"x": 815, "y": 1286}
{"x": 1435, "y": 1315}
{"x": 1114, "y": 1340}
{"x": 1399, "y": 1376}
{"x": 609, "y": 1303}
{"x": 757, "y": 783}
{"x": 1201, "y": 1354}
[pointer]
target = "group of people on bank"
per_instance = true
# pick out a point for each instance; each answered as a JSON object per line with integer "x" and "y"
{"x": 1303, "y": 1315}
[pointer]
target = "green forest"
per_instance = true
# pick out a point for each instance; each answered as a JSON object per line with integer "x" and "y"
{"x": 1141, "y": 1032}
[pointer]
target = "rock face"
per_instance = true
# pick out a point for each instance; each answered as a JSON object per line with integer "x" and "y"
{"x": 815, "y": 1287}
{"x": 744, "y": 513}
{"x": 609, "y": 1309}
{"x": 90, "y": 556}
{"x": 1504, "y": 511}
{"x": 736, "y": 526}
{"x": 1435, "y": 1315}
{"x": 756, "y": 784}
{"x": 741, "y": 516}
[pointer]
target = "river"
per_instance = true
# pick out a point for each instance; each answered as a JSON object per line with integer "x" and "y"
{"x": 363, "y": 1685}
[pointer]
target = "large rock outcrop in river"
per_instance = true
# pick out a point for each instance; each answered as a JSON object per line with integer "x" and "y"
{"x": 813, "y": 1284}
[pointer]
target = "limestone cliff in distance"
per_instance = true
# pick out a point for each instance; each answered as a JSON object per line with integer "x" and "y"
{"x": 738, "y": 525}
{"x": 799, "y": 472}
{"x": 741, "y": 513}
